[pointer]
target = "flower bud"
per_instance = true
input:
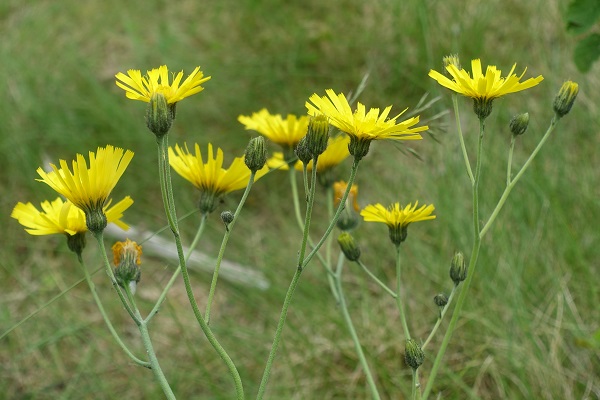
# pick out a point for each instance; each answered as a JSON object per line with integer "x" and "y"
{"x": 127, "y": 260}
{"x": 440, "y": 300}
{"x": 519, "y": 123}
{"x": 349, "y": 246}
{"x": 317, "y": 136}
{"x": 302, "y": 151}
{"x": 227, "y": 218}
{"x": 76, "y": 242}
{"x": 256, "y": 154}
{"x": 565, "y": 98}
{"x": 413, "y": 355}
{"x": 451, "y": 59}
{"x": 458, "y": 268}
{"x": 159, "y": 115}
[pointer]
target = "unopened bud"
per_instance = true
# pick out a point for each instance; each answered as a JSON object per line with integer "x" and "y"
{"x": 159, "y": 115}
{"x": 256, "y": 154}
{"x": 302, "y": 151}
{"x": 227, "y": 218}
{"x": 317, "y": 135}
{"x": 349, "y": 246}
{"x": 519, "y": 123}
{"x": 565, "y": 98}
{"x": 458, "y": 268}
{"x": 127, "y": 260}
{"x": 440, "y": 300}
{"x": 413, "y": 354}
{"x": 451, "y": 59}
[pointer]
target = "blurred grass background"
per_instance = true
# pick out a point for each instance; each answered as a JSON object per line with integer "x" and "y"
{"x": 533, "y": 306}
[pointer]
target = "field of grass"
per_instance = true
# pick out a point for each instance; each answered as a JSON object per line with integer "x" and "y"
{"x": 527, "y": 327}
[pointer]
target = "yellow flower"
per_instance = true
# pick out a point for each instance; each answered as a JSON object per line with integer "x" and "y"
{"x": 138, "y": 87}
{"x": 209, "y": 176}
{"x": 339, "y": 188}
{"x": 86, "y": 188}
{"x": 286, "y": 133}
{"x": 397, "y": 218}
{"x": 61, "y": 216}
{"x": 483, "y": 88}
{"x": 360, "y": 125}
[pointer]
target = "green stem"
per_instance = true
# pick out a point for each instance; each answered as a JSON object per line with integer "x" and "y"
{"x": 377, "y": 280}
{"x": 166, "y": 187}
{"x": 399, "y": 293}
{"x": 290, "y": 293}
{"x": 514, "y": 181}
{"x": 337, "y": 214}
{"x": 143, "y": 328}
{"x": 510, "y": 157}
{"x": 470, "y": 272}
{"x": 295, "y": 198}
{"x": 461, "y": 138}
{"x": 109, "y": 324}
{"x": 440, "y": 319}
{"x": 415, "y": 384}
{"x": 352, "y": 330}
{"x": 213, "y": 284}
{"x": 166, "y": 289}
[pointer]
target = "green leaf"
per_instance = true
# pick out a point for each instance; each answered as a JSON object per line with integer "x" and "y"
{"x": 581, "y": 15}
{"x": 586, "y": 52}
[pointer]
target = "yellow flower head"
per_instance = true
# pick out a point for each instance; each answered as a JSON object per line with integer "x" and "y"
{"x": 483, "y": 88}
{"x": 209, "y": 176}
{"x": 138, "y": 87}
{"x": 61, "y": 216}
{"x": 286, "y": 133}
{"x": 89, "y": 188}
{"x": 127, "y": 250}
{"x": 397, "y": 218}
{"x": 360, "y": 125}
{"x": 339, "y": 188}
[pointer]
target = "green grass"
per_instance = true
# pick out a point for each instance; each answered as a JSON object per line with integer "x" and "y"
{"x": 535, "y": 294}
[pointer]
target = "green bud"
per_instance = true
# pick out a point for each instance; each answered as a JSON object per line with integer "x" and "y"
{"x": 519, "y": 123}
{"x": 256, "y": 154}
{"x": 565, "y": 98}
{"x": 303, "y": 151}
{"x": 227, "y": 218}
{"x": 458, "y": 268}
{"x": 127, "y": 260}
{"x": 440, "y": 300}
{"x": 76, "y": 242}
{"x": 317, "y": 136}
{"x": 413, "y": 354}
{"x": 159, "y": 115}
{"x": 349, "y": 246}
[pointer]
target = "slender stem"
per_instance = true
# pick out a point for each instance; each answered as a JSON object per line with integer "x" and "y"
{"x": 213, "y": 284}
{"x": 514, "y": 181}
{"x": 377, "y": 280}
{"x": 510, "y": 157}
{"x": 109, "y": 324}
{"x": 295, "y": 198}
{"x": 461, "y": 138}
{"x": 166, "y": 187}
{"x": 470, "y": 271}
{"x": 166, "y": 289}
{"x": 143, "y": 328}
{"x": 399, "y": 293}
{"x": 352, "y": 330}
{"x": 288, "y": 297}
{"x": 440, "y": 319}
{"x": 415, "y": 384}
{"x": 100, "y": 239}
{"x": 337, "y": 214}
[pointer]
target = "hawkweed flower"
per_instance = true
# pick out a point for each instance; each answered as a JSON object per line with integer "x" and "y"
{"x": 483, "y": 88}
{"x": 89, "y": 188}
{"x": 397, "y": 218}
{"x": 127, "y": 259}
{"x": 361, "y": 125}
{"x": 142, "y": 88}
{"x": 349, "y": 217}
{"x": 565, "y": 98}
{"x": 284, "y": 132}
{"x": 209, "y": 176}
{"x": 63, "y": 217}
